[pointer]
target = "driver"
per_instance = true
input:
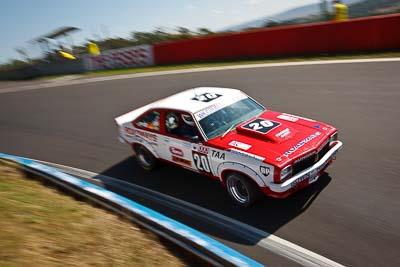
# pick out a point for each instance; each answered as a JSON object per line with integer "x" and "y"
{"x": 185, "y": 127}
{"x": 188, "y": 128}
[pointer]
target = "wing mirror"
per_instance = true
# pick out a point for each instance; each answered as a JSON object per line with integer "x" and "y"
{"x": 194, "y": 138}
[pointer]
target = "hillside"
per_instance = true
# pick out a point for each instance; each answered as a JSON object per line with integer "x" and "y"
{"x": 373, "y": 7}
{"x": 312, "y": 13}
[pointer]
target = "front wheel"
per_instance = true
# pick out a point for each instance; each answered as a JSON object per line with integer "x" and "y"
{"x": 145, "y": 158}
{"x": 241, "y": 190}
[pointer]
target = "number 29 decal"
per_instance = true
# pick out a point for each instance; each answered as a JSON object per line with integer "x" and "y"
{"x": 261, "y": 125}
{"x": 201, "y": 162}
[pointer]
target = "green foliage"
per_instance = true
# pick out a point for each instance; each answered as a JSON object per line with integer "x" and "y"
{"x": 204, "y": 31}
{"x": 159, "y": 35}
{"x": 13, "y": 64}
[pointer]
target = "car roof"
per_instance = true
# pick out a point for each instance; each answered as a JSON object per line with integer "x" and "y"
{"x": 191, "y": 101}
{"x": 196, "y": 99}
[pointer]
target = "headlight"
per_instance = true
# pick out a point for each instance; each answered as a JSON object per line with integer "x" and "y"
{"x": 334, "y": 137}
{"x": 286, "y": 172}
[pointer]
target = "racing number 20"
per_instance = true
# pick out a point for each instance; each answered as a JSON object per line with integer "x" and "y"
{"x": 261, "y": 125}
{"x": 201, "y": 162}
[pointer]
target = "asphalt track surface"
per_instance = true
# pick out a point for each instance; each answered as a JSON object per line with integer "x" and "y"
{"x": 351, "y": 215}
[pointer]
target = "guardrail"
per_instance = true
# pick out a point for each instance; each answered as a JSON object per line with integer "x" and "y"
{"x": 190, "y": 239}
{"x": 355, "y": 35}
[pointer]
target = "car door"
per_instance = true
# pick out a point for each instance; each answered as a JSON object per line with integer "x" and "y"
{"x": 179, "y": 138}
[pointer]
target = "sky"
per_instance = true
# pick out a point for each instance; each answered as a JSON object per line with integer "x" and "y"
{"x": 23, "y": 20}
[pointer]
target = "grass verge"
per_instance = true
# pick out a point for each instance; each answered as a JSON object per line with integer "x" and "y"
{"x": 42, "y": 227}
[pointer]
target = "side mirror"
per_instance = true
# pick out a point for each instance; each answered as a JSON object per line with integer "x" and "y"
{"x": 194, "y": 138}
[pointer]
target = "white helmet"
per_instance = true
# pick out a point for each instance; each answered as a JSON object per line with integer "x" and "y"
{"x": 188, "y": 119}
{"x": 171, "y": 121}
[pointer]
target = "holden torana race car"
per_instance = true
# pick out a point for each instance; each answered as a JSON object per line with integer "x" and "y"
{"x": 225, "y": 134}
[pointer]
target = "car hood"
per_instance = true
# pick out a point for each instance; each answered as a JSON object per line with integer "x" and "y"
{"x": 284, "y": 138}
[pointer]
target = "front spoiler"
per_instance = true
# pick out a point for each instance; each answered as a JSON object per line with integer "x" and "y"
{"x": 311, "y": 174}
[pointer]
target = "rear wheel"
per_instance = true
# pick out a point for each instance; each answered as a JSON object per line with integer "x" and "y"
{"x": 145, "y": 158}
{"x": 242, "y": 190}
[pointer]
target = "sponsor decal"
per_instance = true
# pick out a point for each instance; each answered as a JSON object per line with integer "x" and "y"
{"x": 261, "y": 125}
{"x": 287, "y": 118}
{"x": 240, "y": 145}
{"x": 265, "y": 170}
{"x": 201, "y": 162}
{"x": 299, "y": 180}
{"x": 245, "y": 154}
{"x": 206, "y": 97}
{"x": 129, "y": 131}
{"x": 300, "y": 144}
{"x": 219, "y": 105}
{"x": 182, "y": 161}
{"x": 298, "y": 117}
{"x": 283, "y": 134}
{"x": 218, "y": 154}
{"x": 208, "y": 110}
{"x": 121, "y": 58}
{"x": 202, "y": 149}
{"x": 176, "y": 151}
{"x": 145, "y": 135}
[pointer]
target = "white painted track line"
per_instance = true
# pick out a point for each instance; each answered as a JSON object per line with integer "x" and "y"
{"x": 271, "y": 242}
{"x": 193, "y": 70}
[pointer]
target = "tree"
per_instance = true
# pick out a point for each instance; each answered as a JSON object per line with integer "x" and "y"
{"x": 22, "y": 52}
{"x": 183, "y": 31}
{"x": 204, "y": 31}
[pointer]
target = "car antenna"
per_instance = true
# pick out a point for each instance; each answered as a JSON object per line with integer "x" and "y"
{"x": 195, "y": 93}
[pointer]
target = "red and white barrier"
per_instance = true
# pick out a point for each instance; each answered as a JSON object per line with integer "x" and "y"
{"x": 136, "y": 56}
{"x": 379, "y": 33}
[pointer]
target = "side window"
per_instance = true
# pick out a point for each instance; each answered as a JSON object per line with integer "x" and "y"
{"x": 150, "y": 121}
{"x": 181, "y": 125}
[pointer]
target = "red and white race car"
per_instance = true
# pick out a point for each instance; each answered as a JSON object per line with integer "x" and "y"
{"x": 225, "y": 134}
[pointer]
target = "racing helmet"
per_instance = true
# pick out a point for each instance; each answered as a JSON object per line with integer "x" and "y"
{"x": 171, "y": 121}
{"x": 188, "y": 119}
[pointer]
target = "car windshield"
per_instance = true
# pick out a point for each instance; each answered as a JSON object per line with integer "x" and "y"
{"x": 230, "y": 116}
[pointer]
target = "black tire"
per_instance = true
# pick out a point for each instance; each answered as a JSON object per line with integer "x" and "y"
{"x": 145, "y": 158}
{"x": 242, "y": 191}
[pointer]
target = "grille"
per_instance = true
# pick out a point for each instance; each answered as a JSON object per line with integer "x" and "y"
{"x": 323, "y": 151}
{"x": 309, "y": 160}
{"x": 303, "y": 163}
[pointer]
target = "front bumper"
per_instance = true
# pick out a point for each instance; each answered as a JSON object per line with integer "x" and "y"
{"x": 304, "y": 178}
